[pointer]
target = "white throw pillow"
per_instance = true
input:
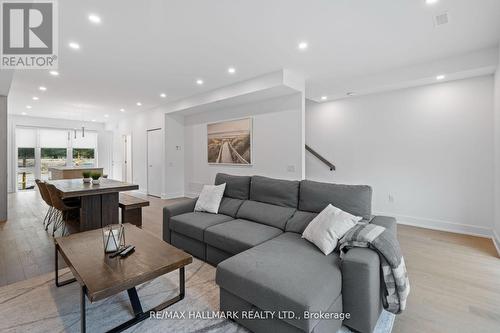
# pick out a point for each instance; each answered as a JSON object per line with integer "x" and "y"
{"x": 209, "y": 199}
{"x": 328, "y": 227}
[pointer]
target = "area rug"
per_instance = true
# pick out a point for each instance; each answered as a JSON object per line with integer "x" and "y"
{"x": 37, "y": 305}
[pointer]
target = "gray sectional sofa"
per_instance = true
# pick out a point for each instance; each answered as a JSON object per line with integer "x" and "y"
{"x": 264, "y": 264}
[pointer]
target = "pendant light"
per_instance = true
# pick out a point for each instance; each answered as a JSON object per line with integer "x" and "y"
{"x": 83, "y": 124}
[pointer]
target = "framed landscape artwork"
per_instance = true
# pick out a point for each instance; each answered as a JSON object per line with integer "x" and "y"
{"x": 230, "y": 142}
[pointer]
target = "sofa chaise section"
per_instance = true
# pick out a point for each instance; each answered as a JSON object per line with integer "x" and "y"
{"x": 286, "y": 273}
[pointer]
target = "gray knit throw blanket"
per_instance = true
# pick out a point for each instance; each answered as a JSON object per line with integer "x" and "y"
{"x": 385, "y": 243}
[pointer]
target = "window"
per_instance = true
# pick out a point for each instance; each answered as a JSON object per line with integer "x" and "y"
{"x": 26, "y": 157}
{"x": 25, "y": 168}
{"x": 39, "y": 149}
{"x": 51, "y": 157}
{"x": 53, "y": 150}
{"x": 84, "y": 150}
{"x": 84, "y": 157}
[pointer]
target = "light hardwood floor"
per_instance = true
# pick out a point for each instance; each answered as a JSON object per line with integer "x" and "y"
{"x": 455, "y": 279}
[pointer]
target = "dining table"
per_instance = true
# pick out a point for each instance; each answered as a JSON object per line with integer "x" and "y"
{"x": 99, "y": 204}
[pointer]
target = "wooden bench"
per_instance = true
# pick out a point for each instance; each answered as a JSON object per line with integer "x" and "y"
{"x": 132, "y": 209}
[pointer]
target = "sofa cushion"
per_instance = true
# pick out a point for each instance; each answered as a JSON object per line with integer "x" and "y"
{"x": 299, "y": 221}
{"x": 230, "y": 206}
{"x": 275, "y": 191}
{"x": 210, "y": 198}
{"x": 354, "y": 199}
{"x": 239, "y": 235}
{"x": 328, "y": 227}
{"x": 275, "y": 216}
{"x": 193, "y": 224}
{"x": 296, "y": 277}
{"x": 237, "y": 187}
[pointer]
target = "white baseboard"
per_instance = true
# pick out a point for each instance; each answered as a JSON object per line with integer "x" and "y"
{"x": 433, "y": 224}
{"x": 141, "y": 192}
{"x": 496, "y": 241}
{"x": 173, "y": 195}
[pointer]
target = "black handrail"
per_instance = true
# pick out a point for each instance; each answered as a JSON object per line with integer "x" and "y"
{"x": 321, "y": 158}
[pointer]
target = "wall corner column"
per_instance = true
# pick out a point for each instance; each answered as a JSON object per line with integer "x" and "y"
{"x": 3, "y": 158}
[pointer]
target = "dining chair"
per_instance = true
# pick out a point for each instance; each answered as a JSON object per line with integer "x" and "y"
{"x": 46, "y": 198}
{"x": 65, "y": 210}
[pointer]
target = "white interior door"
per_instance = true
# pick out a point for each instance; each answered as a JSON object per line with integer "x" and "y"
{"x": 154, "y": 162}
{"x": 127, "y": 161}
{"x": 118, "y": 158}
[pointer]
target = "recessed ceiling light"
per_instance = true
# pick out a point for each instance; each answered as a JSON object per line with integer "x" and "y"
{"x": 163, "y": 95}
{"x": 138, "y": 103}
{"x": 23, "y": 113}
{"x": 93, "y": 120}
{"x": 303, "y": 45}
{"x": 431, "y": 2}
{"x": 440, "y": 77}
{"x": 28, "y": 106}
{"x": 122, "y": 110}
{"x": 106, "y": 116}
{"x": 199, "y": 82}
{"x": 351, "y": 93}
{"x": 231, "y": 70}
{"x": 74, "y": 46}
{"x": 94, "y": 19}
{"x": 35, "y": 98}
{"x": 42, "y": 88}
{"x": 324, "y": 98}
{"x": 54, "y": 73}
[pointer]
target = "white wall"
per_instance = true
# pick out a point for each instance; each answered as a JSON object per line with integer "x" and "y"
{"x": 104, "y": 148}
{"x": 3, "y": 158}
{"x": 497, "y": 158}
{"x": 430, "y": 148}
{"x": 277, "y": 141}
{"x": 137, "y": 126}
{"x": 174, "y": 156}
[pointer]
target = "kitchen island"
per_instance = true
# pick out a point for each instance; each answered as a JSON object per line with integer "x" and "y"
{"x": 74, "y": 172}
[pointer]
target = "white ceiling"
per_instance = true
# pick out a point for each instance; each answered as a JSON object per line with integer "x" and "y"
{"x": 144, "y": 48}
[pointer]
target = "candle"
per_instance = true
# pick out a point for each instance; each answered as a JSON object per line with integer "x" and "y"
{"x": 112, "y": 240}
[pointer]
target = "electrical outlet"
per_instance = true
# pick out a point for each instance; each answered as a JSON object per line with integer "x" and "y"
{"x": 390, "y": 198}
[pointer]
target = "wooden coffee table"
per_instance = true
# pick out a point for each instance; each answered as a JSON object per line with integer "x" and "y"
{"x": 101, "y": 277}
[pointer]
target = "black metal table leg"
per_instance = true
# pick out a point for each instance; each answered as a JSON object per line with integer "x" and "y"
{"x": 136, "y": 304}
{"x": 182, "y": 283}
{"x": 134, "y": 300}
{"x": 63, "y": 283}
{"x": 83, "y": 292}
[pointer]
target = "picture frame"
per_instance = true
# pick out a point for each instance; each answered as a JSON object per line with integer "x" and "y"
{"x": 230, "y": 142}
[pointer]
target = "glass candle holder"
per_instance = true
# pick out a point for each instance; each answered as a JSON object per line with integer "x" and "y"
{"x": 113, "y": 236}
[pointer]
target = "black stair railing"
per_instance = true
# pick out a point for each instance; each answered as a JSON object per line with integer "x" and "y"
{"x": 321, "y": 158}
